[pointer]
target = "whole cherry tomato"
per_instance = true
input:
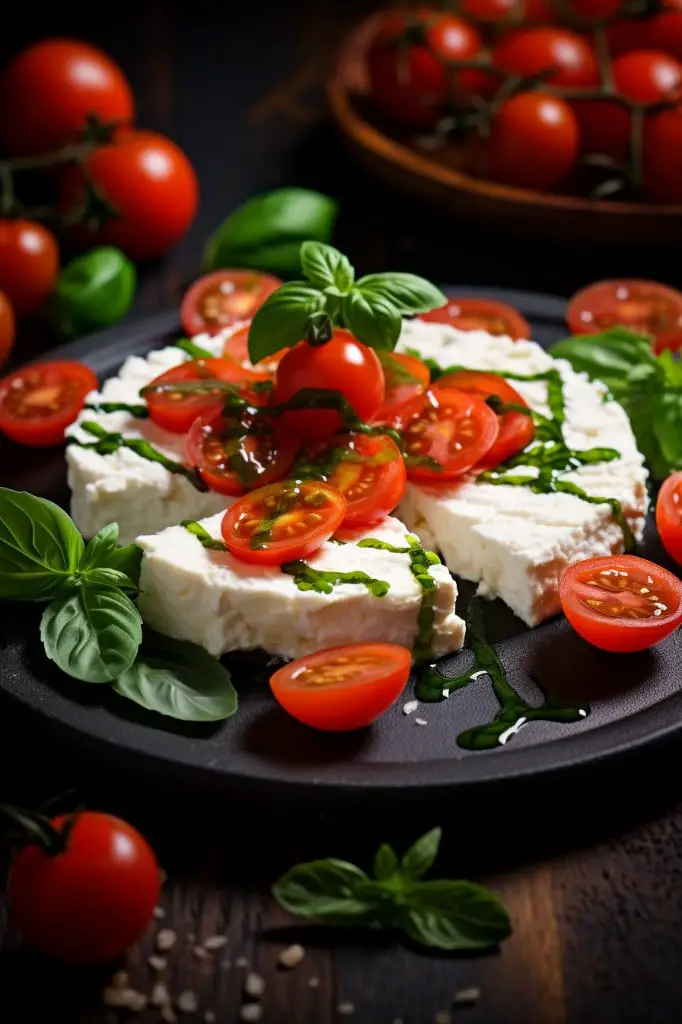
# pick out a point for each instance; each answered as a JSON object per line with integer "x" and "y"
{"x": 532, "y": 50}
{"x": 534, "y": 141}
{"x": 663, "y": 156}
{"x": 29, "y": 263}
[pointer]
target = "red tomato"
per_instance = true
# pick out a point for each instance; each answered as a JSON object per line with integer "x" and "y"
{"x": 237, "y": 348}
{"x": 151, "y": 183}
{"x": 91, "y": 902}
{"x": 643, "y": 306}
{"x": 534, "y": 141}
{"x": 342, "y": 365}
{"x": 283, "y": 521}
{"x": 405, "y": 377}
{"x": 39, "y": 402}
{"x": 369, "y": 470}
{"x": 48, "y": 90}
{"x": 664, "y": 32}
{"x": 233, "y": 455}
{"x": 480, "y": 315}
{"x": 7, "y": 328}
{"x": 626, "y": 34}
{"x": 531, "y": 50}
{"x": 621, "y": 603}
{"x": 29, "y": 263}
{"x": 410, "y": 83}
{"x": 447, "y": 428}
{"x": 488, "y": 10}
{"x": 596, "y": 10}
{"x": 176, "y": 410}
{"x": 669, "y": 516}
{"x": 663, "y": 156}
{"x": 342, "y": 688}
{"x": 223, "y": 298}
{"x": 516, "y": 429}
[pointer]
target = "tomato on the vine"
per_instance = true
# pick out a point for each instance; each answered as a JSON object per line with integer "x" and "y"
{"x": 48, "y": 90}
{"x": 662, "y": 159}
{"x": 7, "y": 328}
{"x": 90, "y": 902}
{"x": 342, "y": 365}
{"x": 534, "y": 141}
{"x": 342, "y": 688}
{"x": 621, "y": 603}
{"x": 39, "y": 402}
{"x": 405, "y": 377}
{"x": 596, "y": 10}
{"x": 480, "y": 315}
{"x": 223, "y": 298}
{"x": 644, "y": 306}
{"x": 29, "y": 263}
{"x": 669, "y": 516}
{"x": 150, "y": 183}
{"x": 178, "y": 396}
{"x": 489, "y": 10}
{"x": 664, "y": 32}
{"x": 569, "y": 56}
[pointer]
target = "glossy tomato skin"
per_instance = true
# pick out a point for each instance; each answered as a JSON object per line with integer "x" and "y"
{"x": 342, "y": 364}
{"x": 343, "y": 688}
{"x": 596, "y": 10}
{"x": 480, "y": 315}
{"x": 224, "y": 298}
{"x": 411, "y": 84}
{"x": 664, "y": 32}
{"x": 7, "y": 328}
{"x": 176, "y": 412}
{"x": 151, "y": 183}
{"x": 621, "y": 603}
{"x": 663, "y": 156}
{"x": 90, "y": 903}
{"x": 490, "y": 11}
{"x": 405, "y": 378}
{"x": 644, "y": 306}
{"x": 39, "y": 402}
{"x": 48, "y": 90}
{"x": 534, "y": 142}
{"x": 29, "y": 263}
{"x": 529, "y": 51}
{"x": 669, "y": 516}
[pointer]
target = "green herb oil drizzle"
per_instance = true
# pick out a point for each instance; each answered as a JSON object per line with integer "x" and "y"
{"x": 140, "y": 412}
{"x": 323, "y": 582}
{"x": 203, "y": 536}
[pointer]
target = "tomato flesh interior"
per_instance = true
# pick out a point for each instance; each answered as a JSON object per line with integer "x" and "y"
{"x": 469, "y": 314}
{"x": 643, "y": 306}
{"x": 223, "y": 298}
{"x": 40, "y": 401}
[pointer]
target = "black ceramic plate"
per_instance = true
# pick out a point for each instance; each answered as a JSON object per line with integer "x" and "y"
{"x": 635, "y": 699}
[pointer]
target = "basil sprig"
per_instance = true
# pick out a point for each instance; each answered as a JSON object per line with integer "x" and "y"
{"x": 91, "y": 628}
{"x": 649, "y": 388}
{"x": 371, "y": 308}
{"x": 442, "y": 914}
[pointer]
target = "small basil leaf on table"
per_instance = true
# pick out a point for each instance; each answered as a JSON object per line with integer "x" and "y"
{"x": 407, "y": 292}
{"x": 93, "y": 634}
{"x": 93, "y": 291}
{"x": 327, "y": 890}
{"x": 39, "y": 547}
{"x": 282, "y": 321}
{"x": 103, "y": 576}
{"x": 326, "y": 267}
{"x": 453, "y": 915}
{"x": 266, "y": 231}
{"x": 421, "y": 855}
{"x": 385, "y": 862}
{"x": 372, "y": 319}
{"x": 178, "y": 679}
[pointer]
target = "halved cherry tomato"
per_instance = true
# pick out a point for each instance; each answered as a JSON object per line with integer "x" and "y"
{"x": 342, "y": 688}
{"x": 176, "y": 410}
{"x": 283, "y": 521}
{"x": 480, "y": 315}
{"x": 449, "y": 429}
{"x": 234, "y": 454}
{"x": 516, "y": 428}
{"x": 621, "y": 603}
{"x": 640, "y": 305}
{"x": 405, "y": 378}
{"x": 223, "y": 298}
{"x": 237, "y": 348}
{"x": 39, "y": 402}
{"x": 368, "y": 470}
{"x": 341, "y": 365}
{"x": 669, "y": 516}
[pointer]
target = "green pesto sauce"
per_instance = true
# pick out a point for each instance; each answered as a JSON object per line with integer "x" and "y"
{"x": 192, "y": 350}
{"x": 203, "y": 536}
{"x": 140, "y": 412}
{"x": 323, "y": 582}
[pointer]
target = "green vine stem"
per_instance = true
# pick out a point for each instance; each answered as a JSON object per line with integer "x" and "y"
{"x": 40, "y": 830}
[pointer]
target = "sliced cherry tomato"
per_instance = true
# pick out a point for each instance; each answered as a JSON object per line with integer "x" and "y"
{"x": 369, "y": 470}
{"x": 568, "y": 57}
{"x": 341, "y": 365}
{"x": 237, "y": 348}
{"x": 534, "y": 142}
{"x": 663, "y": 156}
{"x": 223, "y": 298}
{"x": 90, "y": 902}
{"x": 405, "y": 377}
{"x": 640, "y": 305}
{"x": 234, "y": 454}
{"x": 283, "y": 521}
{"x": 480, "y": 315}
{"x": 7, "y": 328}
{"x": 516, "y": 428}
{"x": 343, "y": 688}
{"x": 621, "y": 603}
{"x": 39, "y": 402}
{"x": 669, "y": 516}
{"x": 29, "y": 263}
{"x": 446, "y": 428}
{"x": 176, "y": 410}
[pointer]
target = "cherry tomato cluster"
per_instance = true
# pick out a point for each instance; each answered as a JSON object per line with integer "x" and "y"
{"x": 538, "y": 86}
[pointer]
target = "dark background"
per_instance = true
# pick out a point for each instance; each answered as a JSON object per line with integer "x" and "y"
{"x": 591, "y": 871}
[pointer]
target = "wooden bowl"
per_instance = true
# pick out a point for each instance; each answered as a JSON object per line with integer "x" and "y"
{"x": 435, "y": 178}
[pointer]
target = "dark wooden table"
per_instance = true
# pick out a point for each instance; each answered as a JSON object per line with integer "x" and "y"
{"x": 591, "y": 870}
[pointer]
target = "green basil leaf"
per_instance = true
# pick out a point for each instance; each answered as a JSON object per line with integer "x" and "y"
{"x": 385, "y": 862}
{"x": 406, "y": 292}
{"x": 639, "y": 403}
{"x": 93, "y": 291}
{"x": 282, "y": 320}
{"x": 92, "y": 635}
{"x": 99, "y": 550}
{"x": 128, "y": 560}
{"x": 453, "y": 915}
{"x": 39, "y": 547}
{"x": 326, "y": 267}
{"x": 672, "y": 368}
{"x": 616, "y": 357}
{"x": 667, "y": 425}
{"x": 178, "y": 679}
{"x": 326, "y": 889}
{"x": 266, "y": 231}
{"x": 103, "y": 552}
{"x": 421, "y": 855}
{"x": 372, "y": 319}
{"x": 104, "y": 576}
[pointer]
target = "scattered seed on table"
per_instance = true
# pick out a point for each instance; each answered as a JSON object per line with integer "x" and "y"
{"x": 291, "y": 956}
{"x": 200, "y": 953}
{"x": 119, "y": 980}
{"x": 420, "y": 721}
{"x": 157, "y": 963}
{"x": 160, "y": 996}
{"x": 466, "y": 996}
{"x": 116, "y": 998}
{"x": 241, "y": 961}
{"x": 313, "y": 982}
{"x": 251, "y": 1012}
{"x": 215, "y": 942}
{"x": 137, "y": 1001}
{"x": 411, "y": 706}
{"x": 188, "y": 1002}
{"x": 159, "y": 912}
{"x": 254, "y": 985}
{"x": 165, "y": 940}
{"x": 168, "y": 1015}
{"x": 346, "y": 1009}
